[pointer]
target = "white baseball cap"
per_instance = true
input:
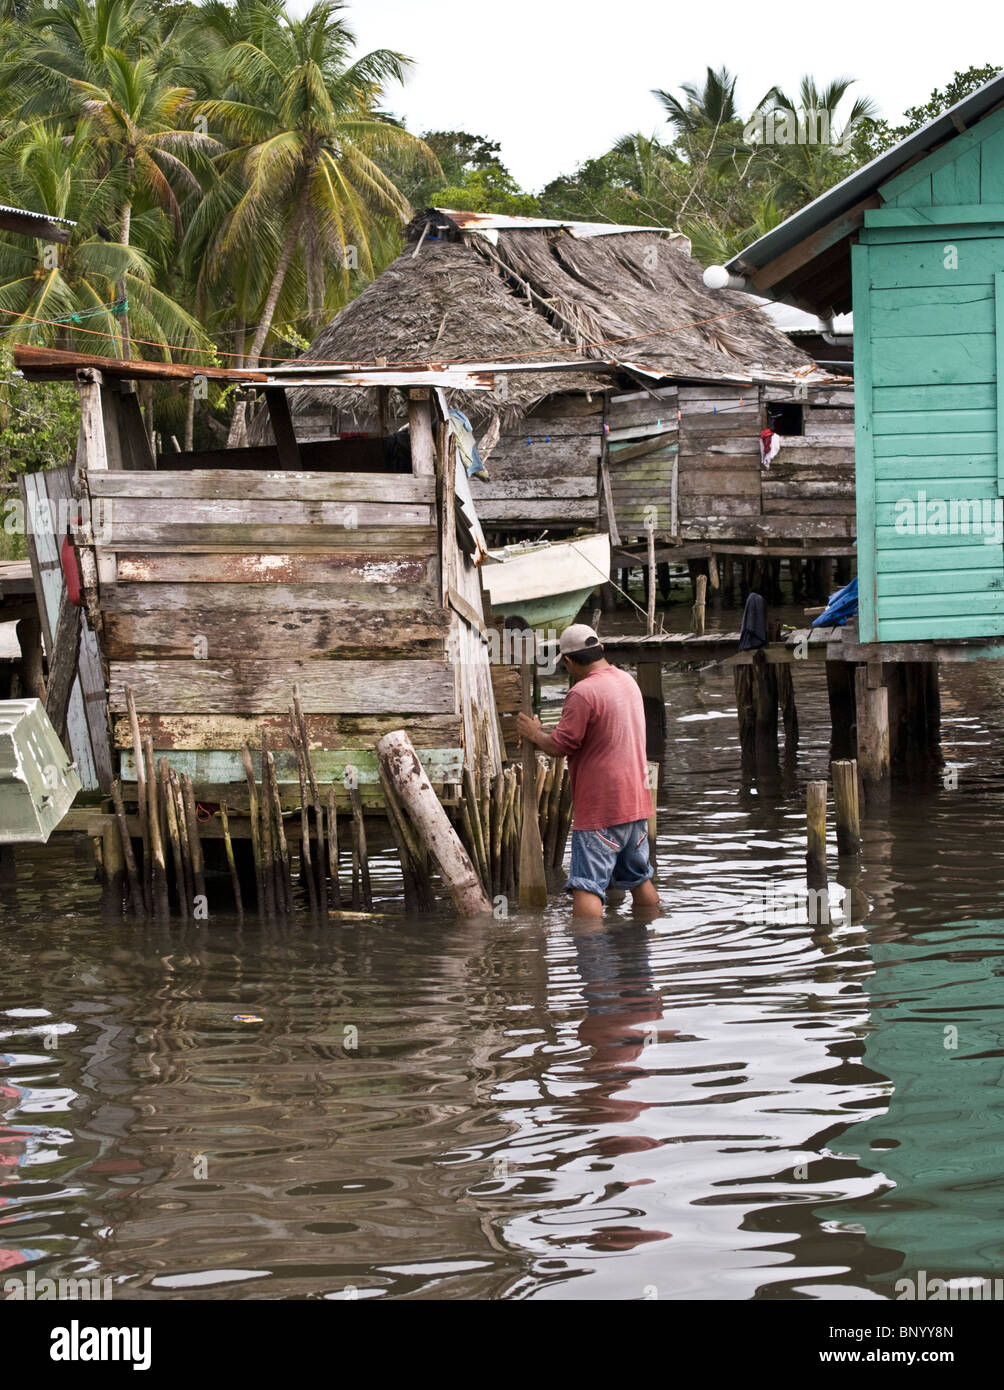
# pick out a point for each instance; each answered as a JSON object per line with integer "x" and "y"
{"x": 580, "y": 637}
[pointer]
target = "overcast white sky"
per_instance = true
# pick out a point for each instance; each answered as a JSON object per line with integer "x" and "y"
{"x": 557, "y": 81}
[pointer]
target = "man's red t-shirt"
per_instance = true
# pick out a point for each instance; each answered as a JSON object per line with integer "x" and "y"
{"x": 602, "y": 733}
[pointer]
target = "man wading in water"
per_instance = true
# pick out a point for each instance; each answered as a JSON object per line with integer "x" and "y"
{"x": 602, "y": 733}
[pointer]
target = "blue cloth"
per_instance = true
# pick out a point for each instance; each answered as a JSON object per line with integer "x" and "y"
{"x": 464, "y": 431}
{"x": 842, "y": 605}
{"x": 614, "y": 857}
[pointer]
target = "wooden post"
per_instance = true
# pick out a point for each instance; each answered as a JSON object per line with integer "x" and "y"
{"x": 650, "y": 617}
{"x": 282, "y": 428}
{"x": 699, "y": 604}
{"x": 873, "y": 729}
{"x": 815, "y": 824}
{"x": 423, "y": 448}
{"x": 158, "y": 861}
{"x": 653, "y": 820}
{"x": 141, "y": 800}
{"x": 113, "y": 875}
{"x": 411, "y": 900}
{"x": 284, "y": 881}
{"x": 174, "y": 835}
{"x": 359, "y": 827}
{"x": 336, "y": 887}
{"x": 231, "y": 864}
{"x": 649, "y": 677}
{"x": 135, "y": 887}
{"x": 400, "y": 761}
{"x": 843, "y": 716}
{"x": 532, "y": 874}
{"x": 194, "y": 842}
{"x": 845, "y": 805}
{"x": 63, "y": 664}
{"x": 256, "y": 846}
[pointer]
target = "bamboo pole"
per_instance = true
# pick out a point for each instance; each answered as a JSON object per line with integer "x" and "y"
{"x": 551, "y": 837}
{"x": 268, "y": 849}
{"x": 315, "y": 792}
{"x": 174, "y": 834}
{"x": 497, "y": 813}
{"x": 306, "y": 867}
{"x": 135, "y": 886}
{"x": 565, "y": 819}
{"x": 359, "y": 841}
{"x": 650, "y": 615}
{"x": 474, "y": 811}
{"x": 194, "y": 839}
{"x": 231, "y": 863}
{"x": 256, "y": 847}
{"x": 158, "y": 866}
{"x": 187, "y": 887}
{"x": 141, "y": 799}
{"x": 407, "y": 870}
{"x": 532, "y": 874}
{"x": 284, "y": 877}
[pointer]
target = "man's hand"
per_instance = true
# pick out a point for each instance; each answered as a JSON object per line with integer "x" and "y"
{"x": 529, "y": 727}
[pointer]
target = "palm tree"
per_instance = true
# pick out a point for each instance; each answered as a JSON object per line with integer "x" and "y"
{"x": 305, "y": 137}
{"x": 68, "y": 295}
{"x": 706, "y": 109}
{"x": 819, "y": 154}
{"x": 138, "y": 116}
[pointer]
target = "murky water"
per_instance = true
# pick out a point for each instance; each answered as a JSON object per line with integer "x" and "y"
{"x": 730, "y": 1103}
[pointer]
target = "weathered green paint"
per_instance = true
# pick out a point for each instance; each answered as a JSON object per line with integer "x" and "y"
{"x": 928, "y": 289}
{"x": 214, "y": 767}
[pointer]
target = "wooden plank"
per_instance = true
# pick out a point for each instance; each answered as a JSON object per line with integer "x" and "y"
{"x": 971, "y": 396}
{"x": 935, "y": 422}
{"x": 345, "y": 630}
{"x": 917, "y": 584}
{"x": 816, "y": 506}
{"x": 49, "y": 587}
{"x": 914, "y": 468}
{"x": 814, "y": 395}
{"x": 999, "y": 364}
{"x": 928, "y": 629}
{"x": 350, "y": 567}
{"x": 902, "y": 265}
{"x": 332, "y": 731}
{"x": 897, "y": 489}
{"x": 920, "y": 446}
{"x": 217, "y": 766}
{"x": 62, "y": 664}
{"x": 938, "y": 604}
{"x": 253, "y": 686}
{"x": 304, "y": 539}
{"x": 245, "y": 485}
{"x": 707, "y": 481}
{"x": 935, "y": 310}
{"x": 540, "y": 489}
{"x": 992, "y": 169}
{"x": 933, "y": 559}
{"x": 533, "y": 512}
{"x": 338, "y": 602}
{"x": 805, "y": 491}
{"x": 893, "y": 188}
{"x": 256, "y": 513}
{"x": 957, "y": 184}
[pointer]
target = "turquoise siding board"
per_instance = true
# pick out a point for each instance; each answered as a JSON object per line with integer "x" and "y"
{"x": 864, "y": 489}
{"x": 931, "y": 379}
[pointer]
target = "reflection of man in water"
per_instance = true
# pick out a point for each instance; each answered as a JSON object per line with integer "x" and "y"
{"x": 602, "y": 733}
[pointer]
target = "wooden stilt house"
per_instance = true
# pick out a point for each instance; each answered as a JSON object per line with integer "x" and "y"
{"x": 661, "y": 420}
{"x": 914, "y": 243}
{"x": 215, "y": 581}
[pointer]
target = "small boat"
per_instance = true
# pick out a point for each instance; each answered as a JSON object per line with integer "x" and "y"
{"x": 545, "y": 583}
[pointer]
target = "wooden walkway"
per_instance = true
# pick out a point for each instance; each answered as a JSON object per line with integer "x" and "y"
{"x": 666, "y": 648}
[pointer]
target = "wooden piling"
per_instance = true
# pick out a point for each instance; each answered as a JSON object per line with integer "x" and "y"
{"x": 273, "y": 898}
{"x": 845, "y": 806}
{"x": 648, "y": 675}
{"x": 158, "y": 862}
{"x": 411, "y": 900}
{"x": 554, "y": 805}
{"x": 700, "y": 604}
{"x": 174, "y": 836}
{"x": 141, "y": 799}
{"x": 815, "y": 825}
{"x": 135, "y": 885}
{"x": 498, "y": 813}
{"x": 187, "y": 888}
{"x": 872, "y": 701}
{"x": 650, "y": 615}
{"x": 653, "y": 819}
{"x": 398, "y": 757}
{"x": 194, "y": 839}
{"x": 359, "y": 847}
{"x": 231, "y": 863}
{"x": 284, "y": 888}
{"x": 306, "y": 866}
{"x": 332, "y": 842}
{"x": 256, "y": 846}
{"x": 315, "y": 792}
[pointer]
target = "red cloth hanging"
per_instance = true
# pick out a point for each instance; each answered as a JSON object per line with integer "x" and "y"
{"x": 70, "y": 561}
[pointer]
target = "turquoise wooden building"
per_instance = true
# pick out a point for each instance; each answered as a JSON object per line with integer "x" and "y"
{"x": 914, "y": 243}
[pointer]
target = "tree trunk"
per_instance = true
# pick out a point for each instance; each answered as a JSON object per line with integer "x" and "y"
{"x": 237, "y": 428}
{"x": 120, "y": 288}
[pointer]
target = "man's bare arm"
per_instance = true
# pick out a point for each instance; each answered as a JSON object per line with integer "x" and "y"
{"x": 533, "y": 730}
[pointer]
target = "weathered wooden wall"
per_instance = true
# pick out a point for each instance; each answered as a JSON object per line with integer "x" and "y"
{"x": 707, "y": 437}
{"x": 216, "y": 589}
{"x": 544, "y": 474}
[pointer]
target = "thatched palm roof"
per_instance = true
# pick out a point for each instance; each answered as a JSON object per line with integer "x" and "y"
{"x": 480, "y": 289}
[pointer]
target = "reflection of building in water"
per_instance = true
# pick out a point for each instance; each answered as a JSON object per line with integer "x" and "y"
{"x": 938, "y": 1036}
{"x": 328, "y": 1149}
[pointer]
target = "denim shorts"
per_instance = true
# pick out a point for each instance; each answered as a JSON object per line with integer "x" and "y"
{"x": 614, "y": 857}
